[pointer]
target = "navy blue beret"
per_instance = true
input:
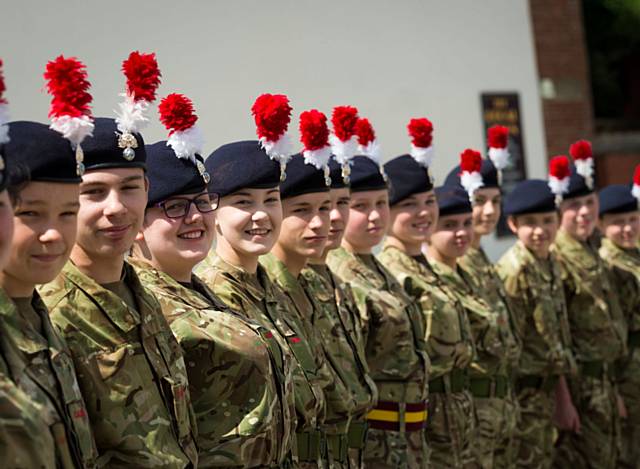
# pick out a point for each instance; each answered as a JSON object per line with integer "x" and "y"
{"x": 102, "y": 150}
{"x": 303, "y": 178}
{"x": 241, "y": 165}
{"x": 406, "y": 177}
{"x": 39, "y": 153}
{"x": 488, "y": 171}
{"x": 617, "y": 198}
{"x": 452, "y": 200}
{"x": 335, "y": 173}
{"x": 366, "y": 175}
{"x": 577, "y": 185}
{"x": 169, "y": 175}
{"x": 530, "y": 196}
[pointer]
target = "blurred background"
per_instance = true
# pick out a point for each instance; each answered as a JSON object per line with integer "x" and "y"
{"x": 553, "y": 71}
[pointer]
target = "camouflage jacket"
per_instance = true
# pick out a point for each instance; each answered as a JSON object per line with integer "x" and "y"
{"x": 256, "y": 297}
{"x": 392, "y": 326}
{"x": 535, "y": 293}
{"x": 234, "y": 386}
{"x": 480, "y": 274}
{"x": 447, "y": 333}
{"x": 42, "y": 368}
{"x": 597, "y": 326}
{"x": 338, "y": 323}
{"x": 130, "y": 370}
{"x": 624, "y": 265}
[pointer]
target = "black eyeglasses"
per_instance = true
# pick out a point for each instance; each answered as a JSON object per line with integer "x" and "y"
{"x": 178, "y": 207}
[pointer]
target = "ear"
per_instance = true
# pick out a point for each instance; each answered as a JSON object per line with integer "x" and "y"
{"x": 140, "y": 236}
{"x": 513, "y": 225}
{"x": 146, "y": 184}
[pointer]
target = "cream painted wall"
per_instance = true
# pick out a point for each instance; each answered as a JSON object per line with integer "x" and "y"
{"x": 392, "y": 59}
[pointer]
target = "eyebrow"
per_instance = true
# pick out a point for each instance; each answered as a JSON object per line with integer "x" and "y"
{"x": 125, "y": 180}
{"x": 40, "y": 202}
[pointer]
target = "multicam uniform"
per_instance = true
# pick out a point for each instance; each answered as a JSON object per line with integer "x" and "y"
{"x": 498, "y": 350}
{"x": 41, "y": 367}
{"x": 339, "y": 328}
{"x": 534, "y": 289}
{"x": 393, "y": 331}
{"x": 598, "y": 340}
{"x": 234, "y": 382}
{"x": 255, "y": 296}
{"x": 450, "y": 348}
{"x": 625, "y": 269}
{"x": 130, "y": 370}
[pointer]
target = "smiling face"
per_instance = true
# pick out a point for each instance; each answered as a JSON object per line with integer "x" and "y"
{"x": 6, "y": 227}
{"x": 45, "y": 220}
{"x": 176, "y": 245}
{"x": 486, "y": 210}
{"x": 451, "y": 238}
{"x": 579, "y": 216}
{"x": 248, "y": 223}
{"x": 112, "y": 205}
{"x": 623, "y": 229}
{"x": 368, "y": 220}
{"x": 305, "y": 226}
{"x": 414, "y": 219}
{"x": 339, "y": 216}
{"x": 536, "y": 231}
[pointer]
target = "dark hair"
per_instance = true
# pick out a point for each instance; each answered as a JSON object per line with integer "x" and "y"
{"x": 18, "y": 177}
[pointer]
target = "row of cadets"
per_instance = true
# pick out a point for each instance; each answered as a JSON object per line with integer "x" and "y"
{"x": 414, "y": 217}
{"x": 25, "y": 436}
{"x": 246, "y": 176}
{"x": 43, "y": 163}
{"x": 619, "y": 221}
{"x": 393, "y": 328}
{"x": 240, "y": 381}
{"x": 129, "y": 365}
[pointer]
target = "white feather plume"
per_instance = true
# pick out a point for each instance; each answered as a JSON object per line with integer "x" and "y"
{"x": 318, "y": 158}
{"x": 74, "y": 129}
{"x": 558, "y": 186}
{"x": 584, "y": 167}
{"x": 344, "y": 151}
{"x": 499, "y": 157}
{"x": 422, "y": 155}
{"x": 635, "y": 191}
{"x": 471, "y": 181}
{"x": 187, "y": 143}
{"x": 4, "y": 118}
{"x": 372, "y": 150}
{"x": 280, "y": 150}
{"x": 131, "y": 115}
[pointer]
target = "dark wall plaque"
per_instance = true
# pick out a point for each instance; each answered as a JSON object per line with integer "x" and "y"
{"x": 504, "y": 109}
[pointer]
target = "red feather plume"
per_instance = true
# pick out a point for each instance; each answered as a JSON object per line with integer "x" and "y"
{"x": 559, "y": 167}
{"x": 498, "y": 136}
{"x": 344, "y": 120}
{"x": 176, "y": 113}
{"x": 143, "y": 76}
{"x": 3, "y": 88}
{"x": 67, "y": 83}
{"x": 581, "y": 150}
{"x": 314, "y": 132}
{"x": 636, "y": 176}
{"x": 364, "y": 131}
{"x": 272, "y": 114}
{"x": 421, "y": 132}
{"x": 470, "y": 161}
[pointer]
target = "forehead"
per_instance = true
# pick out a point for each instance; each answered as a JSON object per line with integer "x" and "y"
{"x": 112, "y": 175}
{"x": 49, "y": 193}
{"x": 311, "y": 198}
{"x": 458, "y": 217}
{"x": 365, "y": 196}
{"x": 583, "y": 199}
{"x": 488, "y": 192}
{"x": 257, "y": 193}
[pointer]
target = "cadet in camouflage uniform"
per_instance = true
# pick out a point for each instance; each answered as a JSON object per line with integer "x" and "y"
{"x": 41, "y": 365}
{"x": 339, "y": 322}
{"x": 247, "y": 225}
{"x": 392, "y": 327}
{"x": 597, "y": 331}
{"x": 414, "y": 214}
{"x": 620, "y": 225}
{"x": 234, "y": 383}
{"x": 497, "y": 347}
{"x": 532, "y": 281}
{"x": 130, "y": 366}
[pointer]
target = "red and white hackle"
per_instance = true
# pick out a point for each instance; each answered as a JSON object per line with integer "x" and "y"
{"x": 367, "y": 141}
{"x": 272, "y": 114}
{"x": 559, "y": 177}
{"x": 635, "y": 189}
{"x": 314, "y": 135}
{"x": 470, "y": 171}
{"x": 498, "y": 142}
{"x": 582, "y": 155}
{"x": 421, "y": 133}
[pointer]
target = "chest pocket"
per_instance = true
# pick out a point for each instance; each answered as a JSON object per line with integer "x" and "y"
{"x": 589, "y": 309}
{"x": 75, "y": 407}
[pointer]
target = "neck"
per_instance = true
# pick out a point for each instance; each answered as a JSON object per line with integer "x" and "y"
{"x": 411, "y": 249}
{"x": 101, "y": 269}
{"x": 475, "y": 241}
{"x": 174, "y": 271}
{"x": 246, "y": 263}
{"x": 354, "y": 249}
{"x": 322, "y": 260}
{"x": 294, "y": 262}
{"x": 452, "y": 262}
{"x": 14, "y": 287}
